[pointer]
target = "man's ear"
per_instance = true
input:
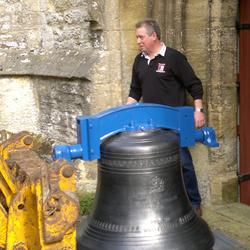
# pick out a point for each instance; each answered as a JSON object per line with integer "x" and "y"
{"x": 154, "y": 35}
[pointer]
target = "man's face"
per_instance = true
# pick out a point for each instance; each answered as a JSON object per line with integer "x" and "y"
{"x": 144, "y": 41}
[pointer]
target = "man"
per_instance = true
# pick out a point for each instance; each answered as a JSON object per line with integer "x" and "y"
{"x": 162, "y": 75}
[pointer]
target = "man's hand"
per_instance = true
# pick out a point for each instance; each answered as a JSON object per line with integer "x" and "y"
{"x": 199, "y": 119}
{"x": 199, "y": 116}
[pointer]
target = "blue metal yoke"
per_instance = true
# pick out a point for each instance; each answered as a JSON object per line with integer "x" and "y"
{"x": 91, "y": 130}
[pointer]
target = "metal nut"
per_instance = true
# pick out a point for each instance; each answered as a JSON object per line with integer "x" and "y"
{"x": 67, "y": 171}
{"x": 28, "y": 140}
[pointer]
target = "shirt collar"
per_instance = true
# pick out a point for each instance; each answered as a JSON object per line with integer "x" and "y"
{"x": 161, "y": 52}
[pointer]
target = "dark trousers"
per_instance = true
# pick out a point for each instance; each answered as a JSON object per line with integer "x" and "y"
{"x": 189, "y": 176}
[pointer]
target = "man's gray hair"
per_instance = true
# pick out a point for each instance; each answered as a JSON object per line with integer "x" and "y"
{"x": 151, "y": 26}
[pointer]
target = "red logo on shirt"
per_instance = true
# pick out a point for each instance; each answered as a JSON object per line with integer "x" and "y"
{"x": 161, "y": 67}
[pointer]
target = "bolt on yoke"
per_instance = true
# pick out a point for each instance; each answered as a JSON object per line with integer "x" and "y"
{"x": 92, "y": 130}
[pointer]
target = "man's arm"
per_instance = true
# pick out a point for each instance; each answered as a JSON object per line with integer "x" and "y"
{"x": 131, "y": 100}
{"x": 193, "y": 84}
{"x": 135, "y": 87}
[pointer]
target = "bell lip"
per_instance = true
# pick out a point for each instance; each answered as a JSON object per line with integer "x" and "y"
{"x": 196, "y": 236}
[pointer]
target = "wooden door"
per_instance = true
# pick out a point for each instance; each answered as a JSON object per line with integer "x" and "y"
{"x": 244, "y": 109}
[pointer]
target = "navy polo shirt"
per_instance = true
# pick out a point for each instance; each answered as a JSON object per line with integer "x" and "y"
{"x": 165, "y": 79}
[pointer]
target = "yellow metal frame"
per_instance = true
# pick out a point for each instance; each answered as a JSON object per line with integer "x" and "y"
{"x": 38, "y": 203}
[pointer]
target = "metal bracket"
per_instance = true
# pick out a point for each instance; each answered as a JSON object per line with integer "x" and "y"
{"x": 244, "y": 177}
{"x": 242, "y": 26}
{"x": 91, "y": 131}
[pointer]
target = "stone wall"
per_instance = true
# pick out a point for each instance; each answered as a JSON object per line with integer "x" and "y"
{"x": 61, "y": 59}
{"x": 210, "y": 44}
{"x": 52, "y": 65}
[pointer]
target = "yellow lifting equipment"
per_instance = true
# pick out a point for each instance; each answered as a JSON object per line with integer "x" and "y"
{"x": 38, "y": 203}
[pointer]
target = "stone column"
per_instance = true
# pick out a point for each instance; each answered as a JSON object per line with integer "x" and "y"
{"x": 159, "y": 14}
{"x": 130, "y": 13}
{"x": 211, "y": 50}
{"x": 196, "y": 43}
{"x": 222, "y": 99}
{"x": 174, "y": 23}
{"x": 106, "y": 72}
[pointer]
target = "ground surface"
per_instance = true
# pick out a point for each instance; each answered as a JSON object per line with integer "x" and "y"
{"x": 231, "y": 226}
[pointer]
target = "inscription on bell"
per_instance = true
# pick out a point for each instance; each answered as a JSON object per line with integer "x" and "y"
{"x": 158, "y": 184}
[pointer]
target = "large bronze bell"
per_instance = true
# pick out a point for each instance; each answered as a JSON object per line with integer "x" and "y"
{"x": 141, "y": 203}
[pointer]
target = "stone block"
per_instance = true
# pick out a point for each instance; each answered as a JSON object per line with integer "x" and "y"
{"x": 100, "y": 97}
{"x": 230, "y": 190}
{"x": 224, "y": 188}
{"x": 112, "y": 40}
{"x": 127, "y": 60}
{"x": 114, "y": 69}
{"x": 86, "y": 175}
{"x": 61, "y": 5}
{"x": 99, "y": 72}
{"x": 198, "y": 58}
{"x": 112, "y": 15}
{"x": 129, "y": 13}
{"x": 55, "y": 63}
{"x": 196, "y": 14}
{"x": 223, "y": 13}
{"x": 19, "y": 108}
{"x": 223, "y": 38}
{"x": 196, "y": 38}
{"x": 128, "y": 40}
